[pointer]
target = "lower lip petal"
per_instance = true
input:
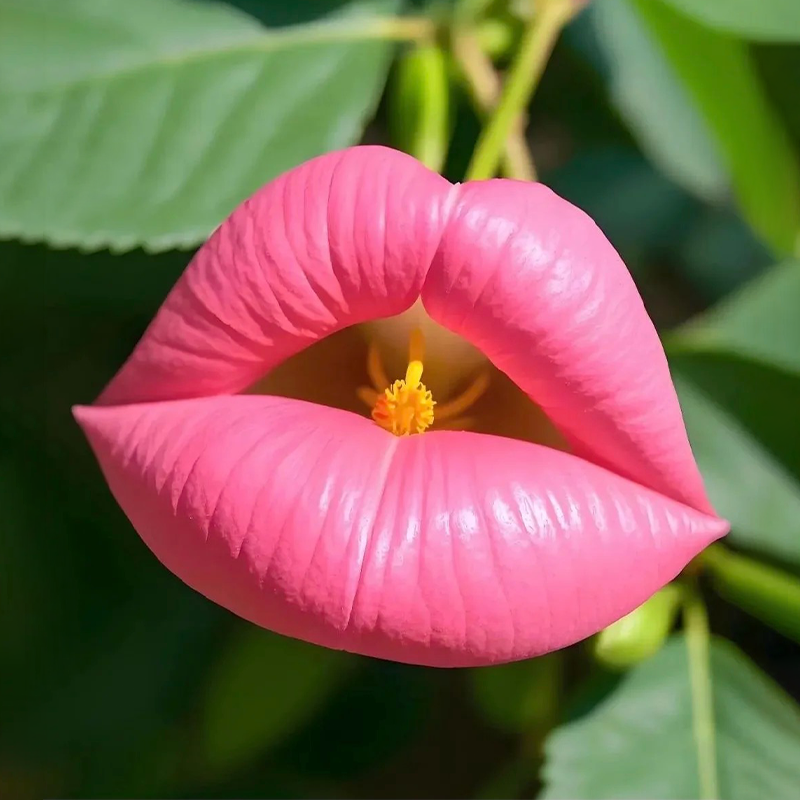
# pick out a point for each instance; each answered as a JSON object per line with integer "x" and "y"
{"x": 447, "y": 549}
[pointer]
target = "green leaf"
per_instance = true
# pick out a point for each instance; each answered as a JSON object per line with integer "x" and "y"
{"x": 649, "y": 212}
{"x": 761, "y": 398}
{"x": 778, "y": 66}
{"x": 720, "y": 75}
{"x": 744, "y": 355}
{"x": 761, "y": 321}
{"x": 717, "y": 253}
{"x": 520, "y": 696}
{"x": 264, "y": 688}
{"x": 130, "y": 678}
{"x": 511, "y": 780}
{"x": 746, "y": 482}
{"x": 639, "y": 743}
{"x": 738, "y": 375}
{"x": 656, "y": 106}
{"x": 25, "y": 577}
{"x": 147, "y": 122}
{"x": 776, "y": 20}
{"x": 384, "y": 707}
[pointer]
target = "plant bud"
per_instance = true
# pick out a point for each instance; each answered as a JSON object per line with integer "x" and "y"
{"x": 419, "y": 110}
{"x": 640, "y": 634}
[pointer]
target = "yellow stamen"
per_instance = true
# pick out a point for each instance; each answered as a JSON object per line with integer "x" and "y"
{"x": 368, "y": 395}
{"x": 467, "y": 398}
{"x": 456, "y": 424}
{"x": 406, "y": 406}
{"x": 414, "y": 373}
{"x": 416, "y": 346}
{"x": 377, "y": 374}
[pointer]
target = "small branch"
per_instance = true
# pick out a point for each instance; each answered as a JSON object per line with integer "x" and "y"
{"x": 698, "y": 644}
{"x": 523, "y": 78}
{"x": 482, "y": 81}
{"x": 398, "y": 29}
{"x": 390, "y": 29}
{"x": 484, "y": 87}
{"x": 471, "y": 10}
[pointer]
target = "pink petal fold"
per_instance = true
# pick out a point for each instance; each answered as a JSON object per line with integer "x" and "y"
{"x": 531, "y": 281}
{"x": 342, "y": 239}
{"x": 447, "y": 548}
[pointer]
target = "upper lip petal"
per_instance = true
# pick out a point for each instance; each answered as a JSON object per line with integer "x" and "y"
{"x": 526, "y": 277}
{"x": 342, "y": 239}
{"x": 531, "y": 280}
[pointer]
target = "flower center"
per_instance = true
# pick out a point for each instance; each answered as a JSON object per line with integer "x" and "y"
{"x": 406, "y": 405}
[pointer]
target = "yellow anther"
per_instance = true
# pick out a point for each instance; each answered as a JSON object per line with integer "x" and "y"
{"x": 406, "y": 406}
{"x": 414, "y": 373}
{"x": 404, "y": 409}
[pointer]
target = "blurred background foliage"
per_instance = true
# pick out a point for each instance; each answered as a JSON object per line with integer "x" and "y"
{"x": 128, "y": 130}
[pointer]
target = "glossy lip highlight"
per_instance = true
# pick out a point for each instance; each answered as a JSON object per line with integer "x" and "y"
{"x": 447, "y": 548}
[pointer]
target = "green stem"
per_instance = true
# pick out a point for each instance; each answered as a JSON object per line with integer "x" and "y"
{"x": 769, "y": 594}
{"x": 471, "y": 10}
{"x": 483, "y": 85}
{"x": 523, "y": 78}
{"x": 698, "y": 643}
{"x": 398, "y": 29}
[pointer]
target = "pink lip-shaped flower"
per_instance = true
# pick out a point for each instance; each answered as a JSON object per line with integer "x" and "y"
{"x": 449, "y": 548}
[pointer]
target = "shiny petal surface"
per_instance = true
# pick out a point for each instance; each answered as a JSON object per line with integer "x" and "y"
{"x": 532, "y": 282}
{"x": 444, "y": 549}
{"x": 447, "y": 548}
{"x": 357, "y": 235}
{"x": 341, "y": 239}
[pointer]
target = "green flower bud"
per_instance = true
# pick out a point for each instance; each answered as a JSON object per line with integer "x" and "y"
{"x": 640, "y": 634}
{"x": 497, "y": 37}
{"x": 519, "y": 697}
{"x": 419, "y": 105}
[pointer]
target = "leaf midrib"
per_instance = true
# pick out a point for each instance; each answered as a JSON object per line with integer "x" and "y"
{"x": 260, "y": 43}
